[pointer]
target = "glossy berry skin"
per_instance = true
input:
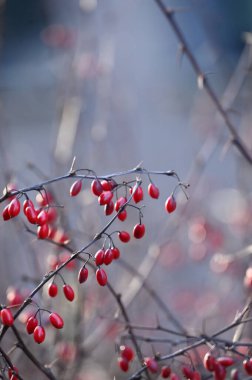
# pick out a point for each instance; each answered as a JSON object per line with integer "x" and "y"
{"x": 138, "y": 194}
{"x": 5, "y": 213}
{"x": 99, "y": 257}
{"x": 108, "y": 185}
{"x": 56, "y": 320}
{"x": 124, "y": 236}
{"x": 68, "y": 292}
{"x": 109, "y": 208}
{"x": 153, "y": 191}
{"x": 127, "y": 353}
{"x": 75, "y": 188}
{"x": 14, "y": 208}
{"x": 116, "y": 253}
{"x": 219, "y": 372}
{"x": 101, "y": 277}
{"x": 27, "y": 203}
{"x": 226, "y": 361}
{"x": 12, "y": 372}
{"x": 119, "y": 203}
{"x": 247, "y": 365}
{"x": 7, "y": 317}
{"x": 108, "y": 256}
{"x": 31, "y": 324}
{"x": 83, "y": 275}
{"x": 234, "y": 374}
{"x": 123, "y": 364}
{"x": 187, "y": 372}
{"x": 39, "y": 334}
{"x": 31, "y": 214}
{"x": 170, "y": 204}
{"x": 105, "y": 197}
{"x": 52, "y": 290}
{"x": 139, "y": 231}
{"x": 43, "y": 231}
{"x": 165, "y": 372}
{"x": 96, "y": 187}
{"x": 209, "y": 362}
{"x": 151, "y": 364}
{"x": 42, "y": 218}
{"x": 122, "y": 216}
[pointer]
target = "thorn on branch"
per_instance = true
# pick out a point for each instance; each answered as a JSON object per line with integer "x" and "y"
{"x": 201, "y": 81}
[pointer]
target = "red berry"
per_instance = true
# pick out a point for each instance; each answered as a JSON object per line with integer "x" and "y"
{"x": 99, "y": 257}
{"x": 96, "y": 187}
{"x": 187, "y": 372}
{"x": 83, "y": 275}
{"x": 170, "y": 204}
{"x": 52, "y": 290}
{"x": 31, "y": 214}
{"x": 123, "y": 364}
{"x": 139, "y": 231}
{"x": 69, "y": 292}
{"x": 14, "y": 208}
{"x": 56, "y": 320}
{"x": 174, "y": 376}
{"x": 108, "y": 185}
{"x": 42, "y": 218}
{"x": 101, "y": 277}
{"x": 124, "y": 236}
{"x": 127, "y": 353}
{"x": 12, "y": 372}
{"x": 75, "y": 188}
{"x": 108, "y": 256}
{"x": 109, "y": 208}
{"x": 7, "y": 317}
{"x": 43, "y": 231}
{"x": 27, "y": 203}
{"x": 44, "y": 199}
{"x": 5, "y": 213}
{"x": 137, "y": 192}
{"x": 153, "y": 191}
{"x": 105, "y": 197}
{"x": 219, "y": 372}
{"x": 151, "y": 364}
{"x": 209, "y": 362}
{"x": 122, "y": 215}
{"x": 31, "y": 324}
{"x": 120, "y": 202}
{"x": 116, "y": 253}
{"x": 14, "y": 297}
{"x": 226, "y": 361}
{"x": 39, "y": 334}
{"x": 51, "y": 214}
{"x": 247, "y": 365}
{"x": 165, "y": 372}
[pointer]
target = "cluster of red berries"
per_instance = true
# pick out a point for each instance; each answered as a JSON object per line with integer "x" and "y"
{"x": 67, "y": 290}
{"x": 219, "y": 366}
{"x": 38, "y": 331}
{"x": 126, "y": 356}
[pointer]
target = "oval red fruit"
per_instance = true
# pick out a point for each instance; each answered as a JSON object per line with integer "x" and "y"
{"x": 52, "y": 290}
{"x": 42, "y": 217}
{"x": 56, "y": 320}
{"x": 108, "y": 256}
{"x": 31, "y": 214}
{"x": 31, "y": 324}
{"x": 99, "y": 257}
{"x": 120, "y": 202}
{"x": 27, "y": 203}
{"x": 75, "y": 188}
{"x": 124, "y": 236}
{"x": 139, "y": 231}
{"x": 153, "y": 191}
{"x": 43, "y": 231}
{"x": 219, "y": 372}
{"x": 83, "y": 275}
{"x": 96, "y": 187}
{"x": 14, "y": 208}
{"x": 116, "y": 253}
{"x": 151, "y": 364}
{"x": 165, "y": 372}
{"x": 127, "y": 353}
{"x": 101, "y": 277}
{"x": 247, "y": 365}
{"x": 109, "y": 208}
{"x": 69, "y": 292}
{"x": 137, "y": 192}
{"x": 123, "y": 364}
{"x": 5, "y": 213}
{"x": 122, "y": 215}
{"x": 39, "y": 334}
{"x": 7, "y": 317}
{"x": 105, "y": 197}
{"x": 226, "y": 361}
{"x": 170, "y": 204}
{"x": 209, "y": 362}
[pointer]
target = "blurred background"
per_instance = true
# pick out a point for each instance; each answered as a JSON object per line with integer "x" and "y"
{"x": 104, "y": 81}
